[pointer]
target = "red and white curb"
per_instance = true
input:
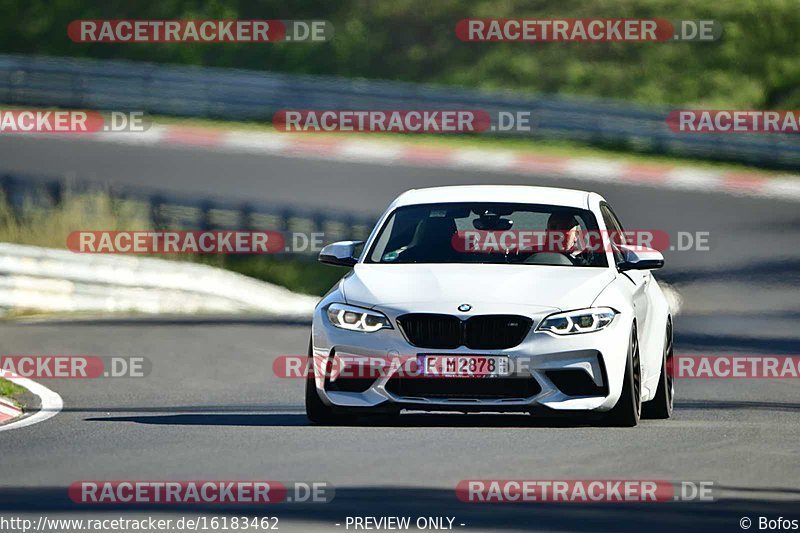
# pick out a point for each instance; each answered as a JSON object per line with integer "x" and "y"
{"x": 358, "y": 149}
{"x": 8, "y": 410}
{"x": 51, "y": 403}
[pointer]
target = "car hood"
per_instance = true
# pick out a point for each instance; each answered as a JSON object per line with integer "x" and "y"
{"x": 546, "y": 287}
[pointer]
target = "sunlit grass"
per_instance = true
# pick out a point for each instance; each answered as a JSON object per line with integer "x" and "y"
{"x": 12, "y": 391}
{"x": 44, "y": 224}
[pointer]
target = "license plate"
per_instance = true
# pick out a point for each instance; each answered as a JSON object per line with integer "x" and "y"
{"x": 464, "y": 366}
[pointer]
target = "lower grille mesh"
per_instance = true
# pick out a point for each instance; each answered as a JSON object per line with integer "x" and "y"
{"x": 464, "y": 388}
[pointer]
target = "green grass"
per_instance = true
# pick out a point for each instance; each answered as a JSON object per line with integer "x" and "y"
{"x": 11, "y": 391}
{"x": 49, "y": 225}
{"x": 304, "y": 274}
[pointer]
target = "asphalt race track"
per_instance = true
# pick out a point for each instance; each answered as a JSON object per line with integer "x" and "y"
{"x": 212, "y": 409}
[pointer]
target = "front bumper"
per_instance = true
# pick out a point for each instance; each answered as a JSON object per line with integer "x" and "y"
{"x": 581, "y": 372}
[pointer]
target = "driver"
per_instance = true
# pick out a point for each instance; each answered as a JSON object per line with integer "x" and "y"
{"x": 562, "y": 236}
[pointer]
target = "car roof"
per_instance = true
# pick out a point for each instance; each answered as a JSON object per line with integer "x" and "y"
{"x": 518, "y": 194}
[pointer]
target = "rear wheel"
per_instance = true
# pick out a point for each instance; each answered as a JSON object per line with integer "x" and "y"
{"x": 660, "y": 407}
{"x": 629, "y": 406}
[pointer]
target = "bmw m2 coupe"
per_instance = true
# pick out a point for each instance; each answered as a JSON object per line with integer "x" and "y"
{"x": 493, "y": 299}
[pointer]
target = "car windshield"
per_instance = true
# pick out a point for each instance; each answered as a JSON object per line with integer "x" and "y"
{"x": 484, "y": 232}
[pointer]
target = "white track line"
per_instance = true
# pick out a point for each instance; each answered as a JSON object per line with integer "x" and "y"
{"x": 51, "y": 402}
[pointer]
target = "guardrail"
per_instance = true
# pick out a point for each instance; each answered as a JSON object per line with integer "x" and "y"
{"x": 174, "y": 212}
{"x": 254, "y": 95}
{"x": 34, "y": 279}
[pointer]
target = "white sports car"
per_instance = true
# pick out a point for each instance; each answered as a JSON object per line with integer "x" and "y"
{"x": 462, "y": 299}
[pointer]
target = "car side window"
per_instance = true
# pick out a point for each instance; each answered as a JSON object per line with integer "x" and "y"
{"x": 617, "y": 223}
{"x": 615, "y": 232}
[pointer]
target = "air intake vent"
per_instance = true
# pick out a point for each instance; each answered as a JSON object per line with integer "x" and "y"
{"x": 464, "y": 388}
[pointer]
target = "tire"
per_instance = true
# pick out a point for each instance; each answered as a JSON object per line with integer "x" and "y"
{"x": 317, "y": 411}
{"x": 628, "y": 410}
{"x": 660, "y": 407}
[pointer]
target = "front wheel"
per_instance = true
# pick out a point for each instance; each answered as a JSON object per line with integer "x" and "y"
{"x": 316, "y": 410}
{"x": 660, "y": 407}
{"x": 629, "y": 406}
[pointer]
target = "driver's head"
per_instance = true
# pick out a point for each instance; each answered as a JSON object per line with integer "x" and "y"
{"x": 433, "y": 238}
{"x": 565, "y": 229}
{"x": 562, "y": 222}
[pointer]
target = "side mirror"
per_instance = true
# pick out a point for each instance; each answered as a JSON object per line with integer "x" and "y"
{"x": 340, "y": 253}
{"x": 640, "y": 258}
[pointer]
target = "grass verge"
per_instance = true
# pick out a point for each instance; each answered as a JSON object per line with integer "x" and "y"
{"x": 304, "y": 274}
{"x": 12, "y": 391}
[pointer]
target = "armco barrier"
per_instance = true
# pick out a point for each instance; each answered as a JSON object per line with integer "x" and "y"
{"x": 176, "y": 212}
{"x": 255, "y": 95}
{"x": 47, "y": 280}
{"x": 34, "y": 279}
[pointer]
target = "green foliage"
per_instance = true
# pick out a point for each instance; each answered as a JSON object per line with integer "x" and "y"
{"x": 303, "y": 274}
{"x": 754, "y": 65}
{"x": 49, "y": 225}
{"x": 11, "y": 391}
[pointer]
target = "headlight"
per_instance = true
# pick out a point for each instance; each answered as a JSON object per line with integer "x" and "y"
{"x": 579, "y": 321}
{"x": 357, "y": 318}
